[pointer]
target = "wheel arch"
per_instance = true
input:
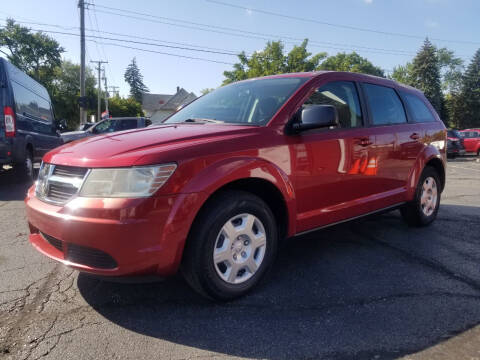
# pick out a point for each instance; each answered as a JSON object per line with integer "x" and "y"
{"x": 253, "y": 175}
{"x": 438, "y": 165}
{"x": 431, "y": 156}
{"x": 266, "y": 191}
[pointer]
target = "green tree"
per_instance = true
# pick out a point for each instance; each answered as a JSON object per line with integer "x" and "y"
{"x": 206, "y": 91}
{"x": 403, "y": 73}
{"x": 451, "y": 70}
{"x": 35, "y": 53}
{"x": 350, "y": 62}
{"x": 65, "y": 90}
{"x": 470, "y": 93}
{"x": 119, "y": 107}
{"x": 135, "y": 79}
{"x": 425, "y": 75}
{"x": 272, "y": 60}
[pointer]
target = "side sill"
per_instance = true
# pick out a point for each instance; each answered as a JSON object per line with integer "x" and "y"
{"x": 386, "y": 209}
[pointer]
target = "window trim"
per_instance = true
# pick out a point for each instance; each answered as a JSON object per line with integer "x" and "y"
{"x": 367, "y": 104}
{"x": 317, "y": 85}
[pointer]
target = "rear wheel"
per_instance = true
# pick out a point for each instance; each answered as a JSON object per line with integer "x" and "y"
{"x": 25, "y": 170}
{"x": 231, "y": 246}
{"x": 423, "y": 209}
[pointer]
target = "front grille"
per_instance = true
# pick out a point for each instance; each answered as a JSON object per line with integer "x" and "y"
{"x": 58, "y": 183}
{"x": 69, "y": 171}
{"x": 90, "y": 257}
{"x": 57, "y": 244}
{"x": 61, "y": 192}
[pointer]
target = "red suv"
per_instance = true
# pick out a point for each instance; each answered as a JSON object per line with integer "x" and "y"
{"x": 471, "y": 140}
{"x": 215, "y": 188}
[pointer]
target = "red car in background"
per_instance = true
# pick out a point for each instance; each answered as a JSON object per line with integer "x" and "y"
{"x": 471, "y": 140}
{"x": 455, "y": 145}
{"x": 214, "y": 189}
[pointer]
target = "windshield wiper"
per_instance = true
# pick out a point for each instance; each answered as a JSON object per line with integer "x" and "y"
{"x": 202, "y": 121}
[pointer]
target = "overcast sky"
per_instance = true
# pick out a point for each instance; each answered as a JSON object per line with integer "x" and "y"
{"x": 171, "y": 23}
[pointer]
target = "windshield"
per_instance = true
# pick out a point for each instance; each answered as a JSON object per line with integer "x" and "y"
{"x": 454, "y": 133}
{"x": 252, "y": 102}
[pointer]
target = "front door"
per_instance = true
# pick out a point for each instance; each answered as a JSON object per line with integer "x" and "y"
{"x": 333, "y": 166}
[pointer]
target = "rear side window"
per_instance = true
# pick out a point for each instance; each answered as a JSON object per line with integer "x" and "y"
{"x": 418, "y": 109}
{"x": 385, "y": 105}
{"x": 126, "y": 124}
{"x": 343, "y": 95}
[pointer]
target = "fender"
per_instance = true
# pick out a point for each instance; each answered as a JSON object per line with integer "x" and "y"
{"x": 429, "y": 152}
{"x": 225, "y": 171}
{"x": 198, "y": 190}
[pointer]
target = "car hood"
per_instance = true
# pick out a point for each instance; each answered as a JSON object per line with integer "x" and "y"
{"x": 144, "y": 146}
{"x": 73, "y": 135}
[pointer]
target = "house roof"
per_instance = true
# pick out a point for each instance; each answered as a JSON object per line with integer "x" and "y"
{"x": 155, "y": 102}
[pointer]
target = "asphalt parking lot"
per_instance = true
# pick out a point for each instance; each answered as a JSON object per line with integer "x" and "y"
{"x": 369, "y": 289}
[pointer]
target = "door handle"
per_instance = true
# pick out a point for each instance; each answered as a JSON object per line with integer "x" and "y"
{"x": 414, "y": 136}
{"x": 364, "y": 141}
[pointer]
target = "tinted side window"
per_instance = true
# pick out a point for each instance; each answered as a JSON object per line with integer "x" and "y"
{"x": 385, "y": 105}
{"x": 104, "y": 127}
{"x": 25, "y": 101}
{"x": 343, "y": 95}
{"x": 420, "y": 111}
{"x": 126, "y": 124}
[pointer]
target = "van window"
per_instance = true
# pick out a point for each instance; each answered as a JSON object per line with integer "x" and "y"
{"x": 385, "y": 105}
{"x": 343, "y": 95}
{"x": 420, "y": 111}
{"x": 25, "y": 100}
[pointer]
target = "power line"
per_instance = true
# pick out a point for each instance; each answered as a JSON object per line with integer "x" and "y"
{"x": 136, "y": 42}
{"x": 168, "y": 54}
{"x": 242, "y": 33}
{"x": 349, "y": 27}
{"x": 103, "y": 49}
{"x": 247, "y": 34}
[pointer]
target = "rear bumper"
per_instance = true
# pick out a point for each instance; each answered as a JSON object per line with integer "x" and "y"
{"x": 113, "y": 237}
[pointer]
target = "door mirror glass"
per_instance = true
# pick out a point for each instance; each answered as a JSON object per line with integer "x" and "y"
{"x": 315, "y": 117}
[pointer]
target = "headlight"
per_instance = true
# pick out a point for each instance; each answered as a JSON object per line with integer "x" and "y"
{"x": 132, "y": 182}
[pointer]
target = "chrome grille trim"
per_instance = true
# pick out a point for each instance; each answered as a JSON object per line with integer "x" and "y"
{"x": 61, "y": 183}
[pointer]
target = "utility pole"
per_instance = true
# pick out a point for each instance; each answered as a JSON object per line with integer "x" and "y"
{"x": 83, "y": 112}
{"x": 99, "y": 95}
{"x": 114, "y": 90}
{"x": 106, "y": 91}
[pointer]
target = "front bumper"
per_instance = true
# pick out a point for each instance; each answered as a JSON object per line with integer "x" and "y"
{"x": 113, "y": 237}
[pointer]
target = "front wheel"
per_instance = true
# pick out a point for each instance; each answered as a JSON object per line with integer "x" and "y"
{"x": 231, "y": 246}
{"x": 423, "y": 209}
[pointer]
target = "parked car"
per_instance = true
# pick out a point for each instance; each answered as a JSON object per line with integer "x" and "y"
{"x": 215, "y": 188}
{"x": 84, "y": 127}
{"x": 27, "y": 128}
{"x": 471, "y": 140}
{"x": 107, "y": 126}
{"x": 455, "y": 144}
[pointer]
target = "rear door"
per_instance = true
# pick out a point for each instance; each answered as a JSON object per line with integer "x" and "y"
{"x": 396, "y": 143}
{"x": 470, "y": 140}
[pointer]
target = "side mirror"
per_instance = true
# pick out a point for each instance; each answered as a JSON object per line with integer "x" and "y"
{"x": 315, "y": 117}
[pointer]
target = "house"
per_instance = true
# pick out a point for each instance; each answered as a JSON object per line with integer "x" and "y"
{"x": 158, "y": 107}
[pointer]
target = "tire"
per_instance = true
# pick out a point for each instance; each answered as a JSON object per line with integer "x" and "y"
{"x": 421, "y": 212}
{"x": 24, "y": 170}
{"x": 233, "y": 226}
